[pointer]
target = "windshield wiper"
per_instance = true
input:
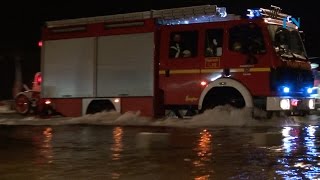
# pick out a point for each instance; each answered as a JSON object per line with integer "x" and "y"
{"x": 302, "y": 57}
{"x": 287, "y": 53}
{"x": 287, "y": 56}
{"x": 283, "y": 52}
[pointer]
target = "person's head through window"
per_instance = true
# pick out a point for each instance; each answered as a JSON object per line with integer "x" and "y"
{"x": 183, "y": 44}
{"x": 237, "y": 46}
{"x": 212, "y": 48}
{"x": 176, "y": 47}
{"x": 177, "y": 38}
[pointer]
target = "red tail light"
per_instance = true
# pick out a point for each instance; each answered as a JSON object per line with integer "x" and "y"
{"x": 40, "y": 43}
{"x": 39, "y": 79}
{"x": 47, "y": 102}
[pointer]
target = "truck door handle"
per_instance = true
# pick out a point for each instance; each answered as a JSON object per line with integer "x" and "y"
{"x": 167, "y": 72}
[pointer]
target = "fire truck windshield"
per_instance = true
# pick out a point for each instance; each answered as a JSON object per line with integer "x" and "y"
{"x": 287, "y": 42}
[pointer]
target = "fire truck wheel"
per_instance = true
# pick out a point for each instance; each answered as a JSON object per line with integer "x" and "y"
{"x": 22, "y": 104}
{"x": 173, "y": 113}
{"x": 47, "y": 111}
{"x": 99, "y": 105}
{"x": 237, "y": 102}
{"x": 223, "y": 96}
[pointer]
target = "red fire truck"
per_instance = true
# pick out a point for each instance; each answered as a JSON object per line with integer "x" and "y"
{"x": 189, "y": 58}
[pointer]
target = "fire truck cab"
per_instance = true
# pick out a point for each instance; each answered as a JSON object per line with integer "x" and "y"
{"x": 191, "y": 58}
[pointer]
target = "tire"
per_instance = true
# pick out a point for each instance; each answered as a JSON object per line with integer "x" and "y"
{"x": 97, "y": 106}
{"x": 22, "y": 104}
{"x": 173, "y": 113}
{"x": 222, "y": 97}
{"x": 47, "y": 112}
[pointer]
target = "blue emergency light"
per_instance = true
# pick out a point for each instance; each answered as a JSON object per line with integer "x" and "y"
{"x": 286, "y": 89}
{"x": 254, "y": 13}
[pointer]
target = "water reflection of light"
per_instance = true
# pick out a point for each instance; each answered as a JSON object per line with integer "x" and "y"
{"x": 310, "y": 141}
{"x": 48, "y": 134}
{"x": 288, "y": 139}
{"x": 303, "y": 163}
{"x": 46, "y": 154}
{"x": 206, "y": 177}
{"x": 289, "y": 144}
{"x": 311, "y": 166}
{"x": 117, "y": 146}
{"x": 286, "y": 131}
{"x": 311, "y": 130}
{"x": 204, "y": 153}
{"x": 115, "y": 176}
{"x": 204, "y": 145}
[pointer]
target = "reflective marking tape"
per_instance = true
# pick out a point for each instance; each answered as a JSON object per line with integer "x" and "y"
{"x": 211, "y": 70}
{"x": 260, "y": 69}
{"x": 205, "y": 71}
{"x": 181, "y": 71}
{"x": 250, "y": 69}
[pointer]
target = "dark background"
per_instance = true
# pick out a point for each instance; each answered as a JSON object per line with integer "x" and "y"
{"x": 21, "y": 24}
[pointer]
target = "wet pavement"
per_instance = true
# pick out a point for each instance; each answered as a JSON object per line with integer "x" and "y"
{"x": 222, "y": 143}
{"x": 121, "y": 152}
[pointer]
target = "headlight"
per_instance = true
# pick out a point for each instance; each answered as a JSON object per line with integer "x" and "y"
{"x": 285, "y": 104}
{"x": 311, "y": 104}
{"x": 286, "y": 90}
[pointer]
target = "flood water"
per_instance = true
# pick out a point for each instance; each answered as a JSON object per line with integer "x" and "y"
{"x": 45, "y": 149}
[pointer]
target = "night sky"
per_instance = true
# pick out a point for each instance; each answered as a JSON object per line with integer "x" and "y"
{"x": 21, "y": 22}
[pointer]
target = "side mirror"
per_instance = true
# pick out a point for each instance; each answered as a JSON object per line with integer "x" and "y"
{"x": 303, "y": 36}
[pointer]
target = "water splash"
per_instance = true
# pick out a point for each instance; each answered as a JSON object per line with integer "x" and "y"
{"x": 219, "y": 116}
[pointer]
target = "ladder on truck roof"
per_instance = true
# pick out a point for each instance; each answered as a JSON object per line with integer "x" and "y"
{"x": 165, "y": 14}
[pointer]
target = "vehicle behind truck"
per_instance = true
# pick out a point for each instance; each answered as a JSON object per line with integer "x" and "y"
{"x": 30, "y": 102}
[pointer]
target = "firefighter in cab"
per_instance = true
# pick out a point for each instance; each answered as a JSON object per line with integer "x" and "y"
{"x": 177, "y": 48}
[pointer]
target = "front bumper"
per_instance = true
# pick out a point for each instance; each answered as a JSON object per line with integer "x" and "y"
{"x": 290, "y": 104}
{"x": 317, "y": 104}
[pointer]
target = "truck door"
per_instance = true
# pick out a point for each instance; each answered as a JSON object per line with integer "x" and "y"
{"x": 246, "y": 46}
{"x": 179, "y": 66}
{"x": 247, "y": 58}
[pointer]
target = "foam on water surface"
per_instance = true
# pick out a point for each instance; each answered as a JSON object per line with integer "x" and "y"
{"x": 219, "y": 116}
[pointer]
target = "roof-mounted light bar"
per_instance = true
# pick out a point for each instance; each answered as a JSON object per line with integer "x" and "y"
{"x": 215, "y": 15}
{"x": 274, "y": 16}
{"x": 186, "y": 13}
{"x": 274, "y": 13}
{"x": 182, "y": 15}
